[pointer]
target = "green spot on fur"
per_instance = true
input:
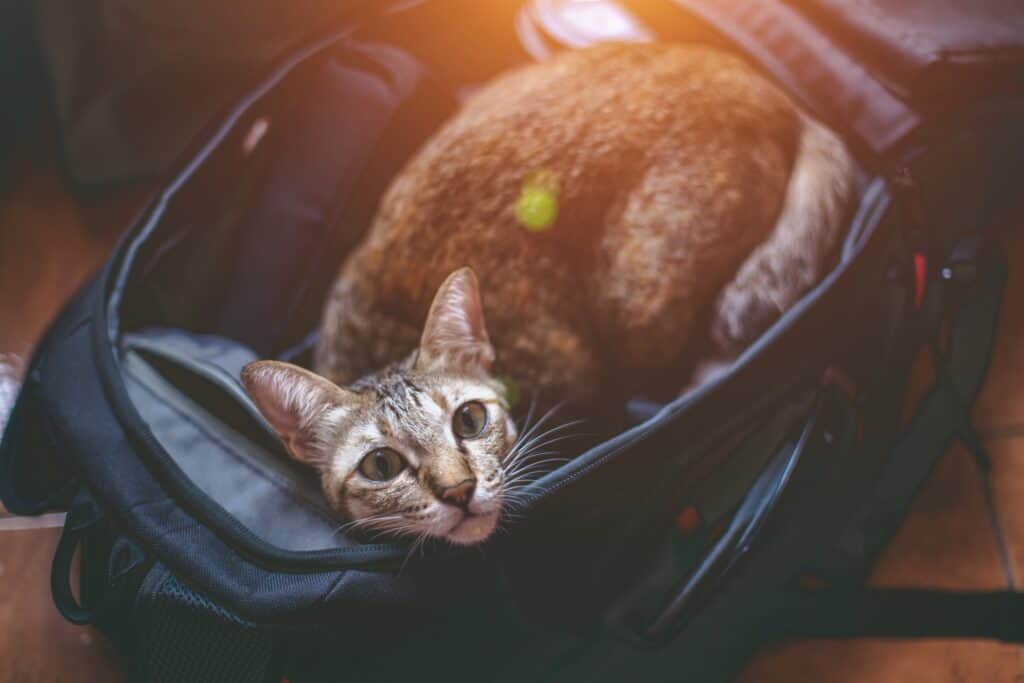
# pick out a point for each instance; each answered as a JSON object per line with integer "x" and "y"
{"x": 510, "y": 389}
{"x": 537, "y": 207}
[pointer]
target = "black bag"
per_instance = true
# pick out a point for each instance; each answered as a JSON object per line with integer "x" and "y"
{"x": 668, "y": 552}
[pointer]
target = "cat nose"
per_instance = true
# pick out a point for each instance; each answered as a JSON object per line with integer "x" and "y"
{"x": 460, "y": 494}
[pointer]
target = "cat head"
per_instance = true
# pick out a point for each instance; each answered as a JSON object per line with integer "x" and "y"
{"x": 417, "y": 448}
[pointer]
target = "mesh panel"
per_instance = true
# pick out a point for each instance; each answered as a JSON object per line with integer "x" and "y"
{"x": 192, "y": 639}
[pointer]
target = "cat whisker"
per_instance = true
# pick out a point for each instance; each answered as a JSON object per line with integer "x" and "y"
{"x": 523, "y": 446}
{"x": 541, "y": 444}
{"x": 514, "y": 512}
{"x": 529, "y": 412}
{"x": 526, "y": 462}
{"x": 513, "y": 505}
{"x": 417, "y": 545}
{"x": 526, "y": 480}
{"x": 532, "y": 432}
{"x": 531, "y": 458}
{"x": 540, "y": 466}
{"x": 524, "y": 457}
{"x": 516, "y": 489}
{"x": 534, "y": 451}
{"x": 382, "y": 523}
{"x": 350, "y": 524}
{"x": 540, "y": 422}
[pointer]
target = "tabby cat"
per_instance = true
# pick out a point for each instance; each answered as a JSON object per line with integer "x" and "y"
{"x": 624, "y": 207}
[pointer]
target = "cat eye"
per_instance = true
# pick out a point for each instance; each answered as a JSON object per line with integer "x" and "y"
{"x": 381, "y": 464}
{"x": 469, "y": 420}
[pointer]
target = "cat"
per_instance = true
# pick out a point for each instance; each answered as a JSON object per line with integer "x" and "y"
{"x": 425, "y": 446}
{"x": 622, "y": 205}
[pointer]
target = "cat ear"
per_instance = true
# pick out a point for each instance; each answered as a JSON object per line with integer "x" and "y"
{"x": 300, "y": 405}
{"x": 455, "y": 335}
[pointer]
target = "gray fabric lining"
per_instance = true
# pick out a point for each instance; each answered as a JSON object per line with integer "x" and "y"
{"x": 274, "y": 498}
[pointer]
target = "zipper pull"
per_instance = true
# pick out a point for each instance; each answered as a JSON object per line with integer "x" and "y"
{"x": 912, "y": 211}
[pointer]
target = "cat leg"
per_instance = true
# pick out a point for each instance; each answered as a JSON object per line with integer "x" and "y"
{"x": 800, "y": 249}
{"x": 677, "y": 237}
{"x": 707, "y": 370}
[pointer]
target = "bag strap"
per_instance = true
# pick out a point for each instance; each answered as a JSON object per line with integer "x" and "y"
{"x": 813, "y": 67}
{"x": 902, "y": 613}
{"x": 82, "y": 516}
{"x": 975, "y": 276}
{"x": 943, "y": 414}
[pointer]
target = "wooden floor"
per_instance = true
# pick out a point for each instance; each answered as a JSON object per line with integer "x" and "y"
{"x": 49, "y": 242}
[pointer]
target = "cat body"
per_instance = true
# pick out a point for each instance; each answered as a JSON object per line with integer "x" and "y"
{"x": 672, "y": 163}
{"x": 677, "y": 195}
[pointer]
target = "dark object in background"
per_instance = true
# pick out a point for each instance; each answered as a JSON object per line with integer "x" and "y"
{"x": 936, "y": 52}
{"x": 135, "y": 81}
{"x": 21, "y": 79}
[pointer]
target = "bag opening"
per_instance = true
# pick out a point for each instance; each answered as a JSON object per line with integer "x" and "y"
{"x": 274, "y": 200}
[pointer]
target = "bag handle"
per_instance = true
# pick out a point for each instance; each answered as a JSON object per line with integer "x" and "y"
{"x": 82, "y": 517}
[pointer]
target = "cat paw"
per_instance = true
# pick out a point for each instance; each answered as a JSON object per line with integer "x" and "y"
{"x": 707, "y": 371}
{"x": 741, "y": 316}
